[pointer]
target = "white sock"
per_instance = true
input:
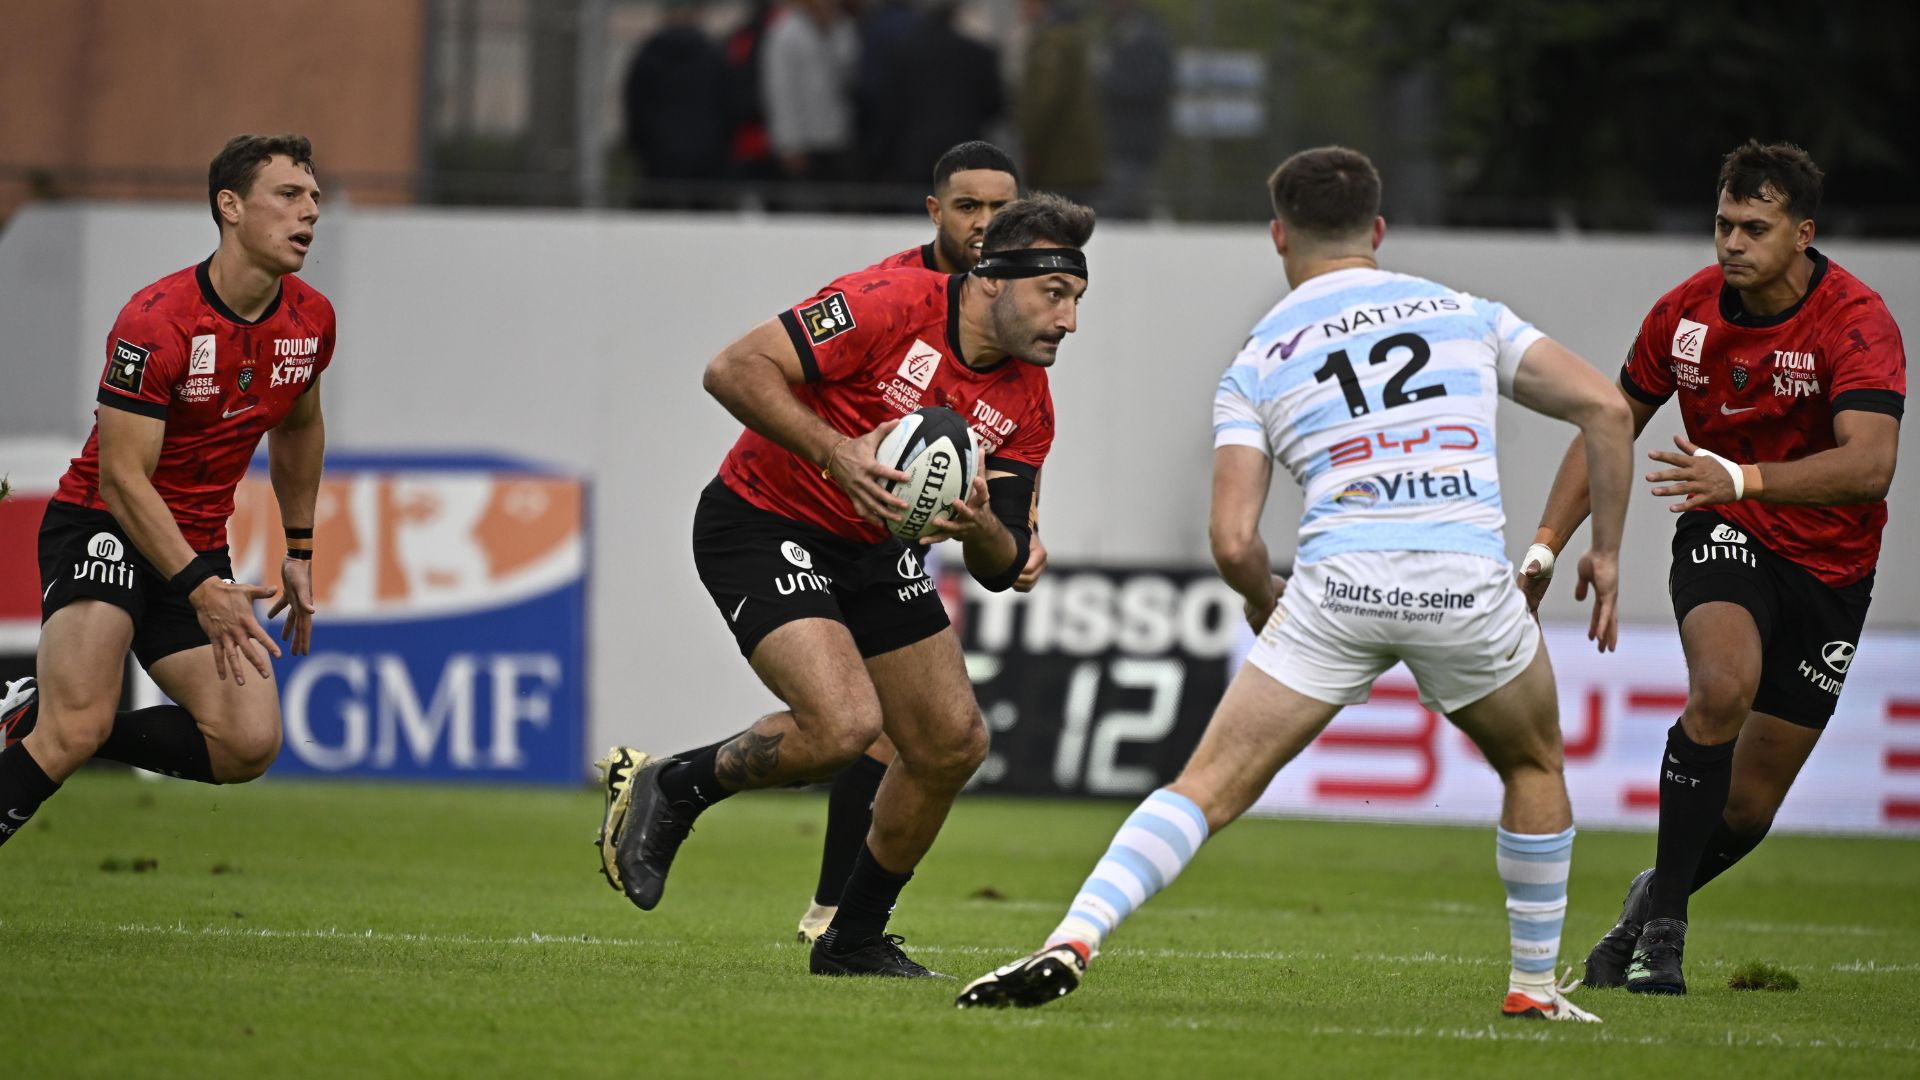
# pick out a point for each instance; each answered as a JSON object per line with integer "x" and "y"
{"x": 1534, "y": 870}
{"x": 1157, "y": 841}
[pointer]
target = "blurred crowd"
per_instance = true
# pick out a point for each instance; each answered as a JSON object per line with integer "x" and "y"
{"x": 838, "y": 103}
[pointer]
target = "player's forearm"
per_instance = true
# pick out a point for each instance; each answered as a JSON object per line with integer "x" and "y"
{"x": 294, "y": 461}
{"x": 990, "y": 553}
{"x": 140, "y": 510}
{"x": 1244, "y": 565}
{"x": 1570, "y": 499}
{"x": 752, "y": 389}
{"x": 1842, "y": 476}
{"x": 1606, "y": 442}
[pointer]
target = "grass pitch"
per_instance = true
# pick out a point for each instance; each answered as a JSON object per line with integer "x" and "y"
{"x": 306, "y": 929}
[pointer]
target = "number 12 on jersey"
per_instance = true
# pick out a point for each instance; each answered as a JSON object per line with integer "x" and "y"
{"x": 1339, "y": 366}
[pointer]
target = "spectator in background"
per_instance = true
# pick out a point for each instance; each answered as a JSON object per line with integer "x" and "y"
{"x": 675, "y": 100}
{"x": 1058, "y": 110}
{"x": 942, "y": 88}
{"x": 884, "y": 27}
{"x": 1136, "y": 103}
{"x": 806, "y": 70}
{"x": 749, "y": 152}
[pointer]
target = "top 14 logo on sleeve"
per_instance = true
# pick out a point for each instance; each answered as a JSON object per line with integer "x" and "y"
{"x": 128, "y": 367}
{"x": 826, "y": 318}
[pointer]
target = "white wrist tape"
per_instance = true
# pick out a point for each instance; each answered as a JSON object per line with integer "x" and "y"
{"x": 1739, "y": 475}
{"x": 1542, "y": 554}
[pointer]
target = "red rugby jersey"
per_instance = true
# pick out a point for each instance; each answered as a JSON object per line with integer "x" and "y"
{"x": 876, "y": 345}
{"x": 1758, "y": 389}
{"x": 177, "y": 353}
{"x": 921, "y": 257}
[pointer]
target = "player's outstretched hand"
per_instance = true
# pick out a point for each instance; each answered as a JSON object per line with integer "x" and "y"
{"x": 1602, "y": 574}
{"x": 296, "y": 599}
{"x": 1259, "y": 609}
{"x": 225, "y": 610}
{"x": 1699, "y": 477}
{"x": 854, "y": 465}
{"x": 1036, "y": 565}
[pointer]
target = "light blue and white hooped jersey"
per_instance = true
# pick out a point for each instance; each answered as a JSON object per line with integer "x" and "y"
{"x": 1377, "y": 392}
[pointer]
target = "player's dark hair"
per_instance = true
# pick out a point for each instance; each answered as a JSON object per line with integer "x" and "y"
{"x": 1750, "y": 169}
{"x": 238, "y": 162}
{"x": 973, "y": 155}
{"x": 1326, "y": 192}
{"x": 1040, "y": 216}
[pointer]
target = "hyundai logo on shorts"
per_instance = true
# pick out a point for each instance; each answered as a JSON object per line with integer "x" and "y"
{"x": 1838, "y": 655}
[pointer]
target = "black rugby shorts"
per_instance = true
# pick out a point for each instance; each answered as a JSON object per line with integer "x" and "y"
{"x": 86, "y": 555}
{"x": 1808, "y": 629}
{"x": 765, "y": 571}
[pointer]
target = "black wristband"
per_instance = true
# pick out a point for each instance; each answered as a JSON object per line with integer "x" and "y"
{"x": 300, "y": 553}
{"x": 191, "y": 575}
{"x": 299, "y": 534}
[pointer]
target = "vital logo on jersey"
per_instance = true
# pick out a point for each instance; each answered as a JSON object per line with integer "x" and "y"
{"x": 127, "y": 367}
{"x": 1688, "y": 338}
{"x": 827, "y": 318}
{"x": 1359, "y": 495}
{"x": 200, "y": 356}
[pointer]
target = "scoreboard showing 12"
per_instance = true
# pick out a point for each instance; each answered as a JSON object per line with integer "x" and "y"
{"x": 1099, "y": 681}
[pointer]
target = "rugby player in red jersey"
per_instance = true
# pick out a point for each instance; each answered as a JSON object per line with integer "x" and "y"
{"x": 971, "y": 182}
{"x": 133, "y": 554}
{"x": 1792, "y": 380}
{"x": 835, "y": 616}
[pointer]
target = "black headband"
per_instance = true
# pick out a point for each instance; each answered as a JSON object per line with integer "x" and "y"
{"x": 1033, "y": 262}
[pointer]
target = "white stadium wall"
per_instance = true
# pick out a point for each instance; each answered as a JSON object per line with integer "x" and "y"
{"x": 577, "y": 340}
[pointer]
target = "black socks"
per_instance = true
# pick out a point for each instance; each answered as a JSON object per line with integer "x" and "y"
{"x": 1724, "y": 848}
{"x": 849, "y": 816}
{"x": 868, "y": 901}
{"x": 23, "y": 787}
{"x": 163, "y": 739}
{"x": 1693, "y": 792}
{"x": 691, "y": 783}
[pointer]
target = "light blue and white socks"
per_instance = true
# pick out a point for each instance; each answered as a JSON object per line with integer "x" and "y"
{"x": 1534, "y": 870}
{"x": 1156, "y": 842}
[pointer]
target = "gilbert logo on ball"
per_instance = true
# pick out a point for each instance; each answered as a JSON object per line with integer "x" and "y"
{"x": 938, "y": 452}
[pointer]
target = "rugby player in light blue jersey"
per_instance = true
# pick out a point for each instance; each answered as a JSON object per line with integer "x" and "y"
{"x": 1376, "y": 391}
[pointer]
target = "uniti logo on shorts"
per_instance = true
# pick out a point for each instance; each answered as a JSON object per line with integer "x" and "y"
{"x": 1730, "y": 543}
{"x": 106, "y": 565}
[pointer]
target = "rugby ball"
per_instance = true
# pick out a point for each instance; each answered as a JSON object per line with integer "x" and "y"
{"x": 936, "y": 449}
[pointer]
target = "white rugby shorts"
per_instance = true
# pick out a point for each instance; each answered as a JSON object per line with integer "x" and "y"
{"x": 1458, "y": 621}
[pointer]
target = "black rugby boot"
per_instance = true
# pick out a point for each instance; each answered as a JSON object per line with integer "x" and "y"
{"x": 649, "y": 835}
{"x": 1656, "y": 959}
{"x": 881, "y": 956}
{"x": 1607, "y": 963}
